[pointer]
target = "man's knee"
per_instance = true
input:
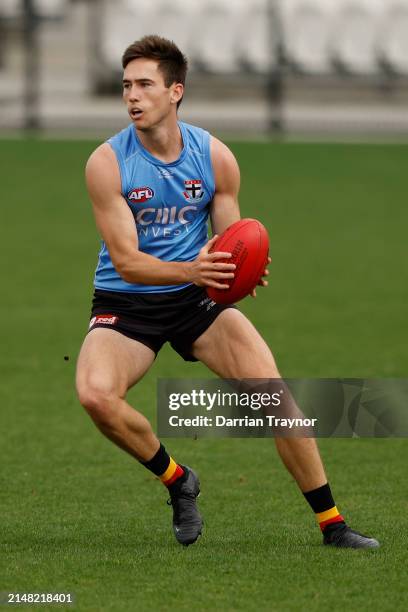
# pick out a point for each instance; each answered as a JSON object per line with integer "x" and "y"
{"x": 98, "y": 398}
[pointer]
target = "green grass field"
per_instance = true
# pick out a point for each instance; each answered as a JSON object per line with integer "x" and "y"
{"x": 78, "y": 515}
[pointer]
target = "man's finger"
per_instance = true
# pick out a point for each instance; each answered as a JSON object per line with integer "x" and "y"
{"x": 217, "y": 267}
{"x": 212, "y": 241}
{"x": 207, "y": 247}
{"x": 219, "y": 255}
{"x": 211, "y": 283}
{"x": 223, "y": 275}
{"x": 222, "y": 266}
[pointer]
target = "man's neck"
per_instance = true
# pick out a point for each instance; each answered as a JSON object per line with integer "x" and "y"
{"x": 163, "y": 141}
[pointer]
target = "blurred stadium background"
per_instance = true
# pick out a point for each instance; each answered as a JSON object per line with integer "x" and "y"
{"x": 300, "y": 67}
{"x": 76, "y": 514}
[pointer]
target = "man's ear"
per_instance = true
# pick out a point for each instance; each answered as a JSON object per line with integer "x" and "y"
{"x": 177, "y": 91}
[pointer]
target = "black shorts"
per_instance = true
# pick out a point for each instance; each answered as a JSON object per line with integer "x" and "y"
{"x": 178, "y": 317}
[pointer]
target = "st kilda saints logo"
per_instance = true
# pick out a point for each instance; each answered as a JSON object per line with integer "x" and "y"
{"x": 138, "y": 195}
{"x": 193, "y": 190}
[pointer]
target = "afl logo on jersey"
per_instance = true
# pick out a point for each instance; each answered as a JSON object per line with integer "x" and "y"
{"x": 140, "y": 194}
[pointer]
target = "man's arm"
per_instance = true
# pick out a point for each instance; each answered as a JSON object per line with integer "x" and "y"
{"x": 117, "y": 227}
{"x": 225, "y": 208}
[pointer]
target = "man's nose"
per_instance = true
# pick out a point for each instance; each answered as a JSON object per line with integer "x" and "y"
{"x": 134, "y": 94}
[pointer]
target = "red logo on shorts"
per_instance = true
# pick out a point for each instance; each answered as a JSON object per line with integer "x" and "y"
{"x": 105, "y": 319}
{"x": 140, "y": 194}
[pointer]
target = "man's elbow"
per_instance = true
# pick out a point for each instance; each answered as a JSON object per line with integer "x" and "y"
{"x": 126, "y": 272}
{"x": 127, "y": 276}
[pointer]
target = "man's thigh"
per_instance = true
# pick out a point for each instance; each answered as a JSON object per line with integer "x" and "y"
{"x": 111, "y": 362}
{"x": 233, "y": 348}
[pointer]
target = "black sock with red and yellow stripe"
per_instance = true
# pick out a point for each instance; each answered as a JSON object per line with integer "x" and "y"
{"x": 322, "y": 503}
{"x": 164, "y": 466}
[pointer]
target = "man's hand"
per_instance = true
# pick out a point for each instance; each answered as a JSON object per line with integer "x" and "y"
{"x": 206, "y": 272}
{"x": 262, "y": 282}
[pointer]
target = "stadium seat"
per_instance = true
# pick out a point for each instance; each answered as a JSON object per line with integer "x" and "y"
{"x": 127, "y": 20}
{"x": 215, "y": 45}
{"x": 393, "y": 40}
{"x": 10, "y": 9}
{"x": 355, "y": 36}
{"x": 46, "y": 9}
{"x": 51, "y": 9}
{"x": 122, "y": 22}
{"x": 176, "y": 20}
{"x": 257, "y": 43}
{"x": 306, "y": 34}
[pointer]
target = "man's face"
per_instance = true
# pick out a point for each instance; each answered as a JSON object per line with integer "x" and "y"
{"x": 148, "y": 99}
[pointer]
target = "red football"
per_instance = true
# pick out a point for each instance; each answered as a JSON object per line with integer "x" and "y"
{"x": 248, "y": 242}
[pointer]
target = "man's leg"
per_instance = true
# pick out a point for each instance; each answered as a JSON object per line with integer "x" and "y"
{"x": 233, "y": 348}
{"x": 108, "y": 365}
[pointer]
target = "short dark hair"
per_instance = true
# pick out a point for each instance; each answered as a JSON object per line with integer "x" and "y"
{"x": 172, "y": 63}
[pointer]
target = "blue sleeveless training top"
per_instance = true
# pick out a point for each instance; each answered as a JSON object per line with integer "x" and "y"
{"x": 170, "y": 203}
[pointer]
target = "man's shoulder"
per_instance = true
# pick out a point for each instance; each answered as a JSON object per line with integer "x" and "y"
{"x": 221, "y": 154}
{"x": 102, "y": 166}
{"x": 107, "y": 152}
{"x": 103, "y": 154}
{"x": 225, "y": 165}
